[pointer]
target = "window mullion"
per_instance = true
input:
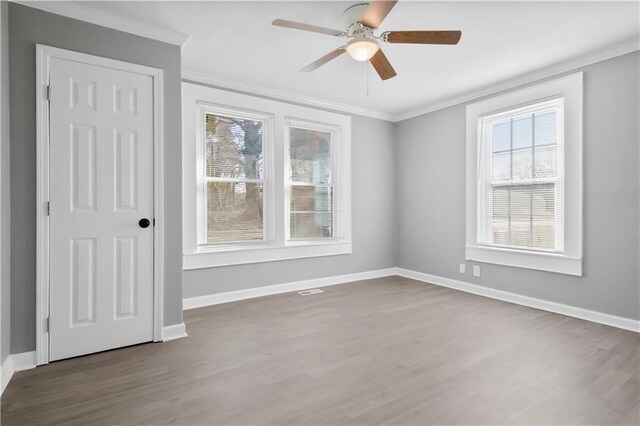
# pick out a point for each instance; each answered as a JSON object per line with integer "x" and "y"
{"x": 232, "y": 180}
{"x": 511, "y": 149}
{"x": 533, "y": 146}
{"x": 533, "y": 176}
{"x": 315, "y": 185}
{"x": 509, "y": 215}
{"x": 510, "y": 175}
{"x": 281, "y": 182}
{"x": 523, "y": 182}
{"x": 531, "y": 215}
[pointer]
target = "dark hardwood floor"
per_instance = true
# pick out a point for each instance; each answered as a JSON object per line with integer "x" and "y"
{"x": 390, "y": 351}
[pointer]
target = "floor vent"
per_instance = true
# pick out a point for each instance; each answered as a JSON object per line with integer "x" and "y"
{"x": 311, "y": 291}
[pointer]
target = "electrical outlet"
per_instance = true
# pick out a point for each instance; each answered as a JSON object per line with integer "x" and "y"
{"x": 476, "y": 270}
{"x": 463, "y": 268}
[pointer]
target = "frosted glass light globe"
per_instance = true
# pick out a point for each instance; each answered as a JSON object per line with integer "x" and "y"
{"x": 362, "y": 48}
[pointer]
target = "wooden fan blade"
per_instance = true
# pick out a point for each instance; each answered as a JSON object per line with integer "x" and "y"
{"x": 422, "y": 37}
{"x": 326, "y": 58}
{"x": 306, "y": 27}
{"x": 382, "y": 65}
{"x": 376, "y": 12}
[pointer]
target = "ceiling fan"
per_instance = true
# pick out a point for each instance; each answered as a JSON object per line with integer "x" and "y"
{"x": 361, "y": 20}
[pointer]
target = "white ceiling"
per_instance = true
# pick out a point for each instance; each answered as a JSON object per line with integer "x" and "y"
{"x": 500, "y": 40}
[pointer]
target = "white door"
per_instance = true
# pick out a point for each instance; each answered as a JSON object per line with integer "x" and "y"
{"x": 101, "y": 193}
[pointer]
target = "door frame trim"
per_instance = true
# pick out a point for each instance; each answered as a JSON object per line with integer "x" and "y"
{"x": 44, "y": 54}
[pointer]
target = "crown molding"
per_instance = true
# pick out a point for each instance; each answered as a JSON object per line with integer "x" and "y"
{"x": 541, "y": 74}
{"x": 109, "y": 20}
{"x": 281, "y": 95}
{"x": 105, "y": 19}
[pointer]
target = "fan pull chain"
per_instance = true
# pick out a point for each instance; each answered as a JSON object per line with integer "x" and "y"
{"x": 356, "y": 85}
{"x": 368, "y": 79}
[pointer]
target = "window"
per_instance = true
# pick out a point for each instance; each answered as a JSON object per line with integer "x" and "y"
{"x": 521, "y": 174}
{"x": 524, "y": 189}
{"x": 233, "y": 181}
{"x": 263, "y": 180}
{"x": 311, "y": 186}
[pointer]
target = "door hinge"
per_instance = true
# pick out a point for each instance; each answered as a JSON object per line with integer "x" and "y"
{"x": 46, "y": 324}
{"x": 48, "y": 208}
{"x": 49, "y": 92}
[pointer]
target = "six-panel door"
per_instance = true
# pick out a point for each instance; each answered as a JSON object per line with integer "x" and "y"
{"x": 101, "y": 185}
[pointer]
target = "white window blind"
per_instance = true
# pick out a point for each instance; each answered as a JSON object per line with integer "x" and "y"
{"x": 521, "y": 178}
{"x": 233, "y": 178}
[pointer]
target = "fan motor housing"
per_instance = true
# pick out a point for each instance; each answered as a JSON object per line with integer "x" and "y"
{"x": 354, "y": 14}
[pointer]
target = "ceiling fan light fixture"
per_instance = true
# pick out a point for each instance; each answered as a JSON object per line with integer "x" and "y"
{"x": 361, "y": 23}
{"x": 362, "y": 48}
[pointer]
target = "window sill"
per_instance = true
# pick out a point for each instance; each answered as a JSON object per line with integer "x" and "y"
{"x": 258, "y": 254}
{"x": 550, "y": 262}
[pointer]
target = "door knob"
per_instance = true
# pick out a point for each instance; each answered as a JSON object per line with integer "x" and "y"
{"x": 144, "y": 223}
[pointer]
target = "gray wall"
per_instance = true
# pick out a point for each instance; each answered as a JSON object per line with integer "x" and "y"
{"x": 28, "y": 26}
{"x": 373, "y": 177}
{"x": 5, "y": 225}
{"x": 408, "y": 177}
{"x": 431, "y": 199}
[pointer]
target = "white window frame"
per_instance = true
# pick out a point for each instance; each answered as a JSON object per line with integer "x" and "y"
{"x": 337, "y": 176}
{"x": 267, "y": 179}
{"x": 197, "y": 100}
{"x": 569, "y": 260}
{"x": 485, "y": 156}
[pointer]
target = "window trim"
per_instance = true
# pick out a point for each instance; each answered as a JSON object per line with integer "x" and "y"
{"x": 570, "y": 260}
{"x": 276, "y": 247}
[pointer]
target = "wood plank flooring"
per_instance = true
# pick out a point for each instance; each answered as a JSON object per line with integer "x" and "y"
{"x": 385, "y": 351}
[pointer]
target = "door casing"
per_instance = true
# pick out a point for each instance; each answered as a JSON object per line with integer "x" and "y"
{"x": 43, "y": 59}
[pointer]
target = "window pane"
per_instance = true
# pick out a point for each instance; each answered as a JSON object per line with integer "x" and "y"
{"x": 522, "y": 132}
{"x": 545, "y": 128}
{"x": 543, "y": 220}
{"x": 234, "y": 212}
{"x": 311, "y": 198}
{"x": 522, "y": 164}
{"x": 501, "y": 136}
{"x": 310, "y": 152}
{"x": 546, "y": 153}
{"x": 311, "y": 225}
{"x": 521, "y": 217}
{"x": 501, "y": 167}
{"x": 500, "y": 216}
{"x": 524, "y": 216}
{"x": 546, "y": 159}
{"x": 233, "y": 147}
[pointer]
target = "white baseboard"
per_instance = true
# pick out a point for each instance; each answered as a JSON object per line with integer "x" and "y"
{"x": 232, "y": 296}
{"x": 173, "y": 332}
{"x": 16, "y": 362}
{"x": 7, "y": 372}
{"x": 532, "y": 302}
